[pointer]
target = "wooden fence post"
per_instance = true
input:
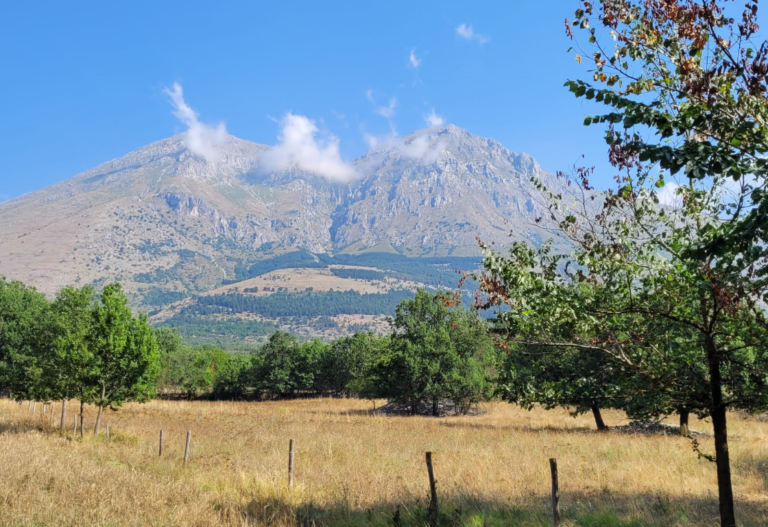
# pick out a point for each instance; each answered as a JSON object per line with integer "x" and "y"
{"x": 74, "y": 430}
{"x": 107, "y": 432}
{"x": 34, "y": 406}
{"x": 290, "y": 463}
{"x": 44, "y": 409}
{"x": 555, "y": 492}
{"x": 160, "y": 450}
{"x": 434, "y": 509}
{"x": 29, "y": 408}
{"x": 186, "y": 448}
{"x": 63, "y": 413}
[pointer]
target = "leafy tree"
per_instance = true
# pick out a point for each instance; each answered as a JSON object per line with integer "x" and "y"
{"x": 198, "y": 369}
{"x": 67, "y": 363}
{"x": 170, "y": 345}
{"x": 229, "y": 382}
{"x": 182, "y": 367}
{"x": 283, "y": 367}
{"x": 438, "y": 351}
{"x": 675, "y": 333}
{"x": 126, "y": 357}
{"x": 693, "y": 75}
{"x": 343, "y": 367}
{"x": 23, "y": 330}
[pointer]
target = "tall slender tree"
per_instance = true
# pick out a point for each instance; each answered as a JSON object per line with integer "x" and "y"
{"x": 126, "y": 359}
{"x": 68, "y": 360}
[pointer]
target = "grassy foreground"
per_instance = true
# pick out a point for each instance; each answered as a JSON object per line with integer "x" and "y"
{"x": 353, "y": 468}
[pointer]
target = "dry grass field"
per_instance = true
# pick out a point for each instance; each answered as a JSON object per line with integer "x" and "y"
{"x": 353, "y": 468}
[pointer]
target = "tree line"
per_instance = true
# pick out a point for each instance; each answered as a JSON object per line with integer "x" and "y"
{"x": 437, "y": 351}
{"x": 303, "y": 304}
{"x": 81, "y": 345}
{"x": 90, "y": 347}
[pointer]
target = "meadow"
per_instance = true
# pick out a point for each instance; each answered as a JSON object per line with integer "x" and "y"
{"x": 354, "y": 468}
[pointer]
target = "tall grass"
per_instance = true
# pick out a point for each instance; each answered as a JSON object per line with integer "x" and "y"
{"x": 353, "y": 468}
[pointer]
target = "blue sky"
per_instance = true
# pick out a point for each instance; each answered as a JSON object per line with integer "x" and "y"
{"x": 85, "y": 82}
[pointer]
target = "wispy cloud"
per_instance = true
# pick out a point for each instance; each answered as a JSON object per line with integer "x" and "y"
{"x": 468, "y": 32}
{"x": 433, "y": 119}
{"x": 414, "y": 60}
{"x": 385, "y": 111}
{"x": 374, "y": 141}
{"x": 424, "y": 148}
{"x": 299, "y": 147}
{"x": 201, "y": 139}
{"x": 389, "y": 110}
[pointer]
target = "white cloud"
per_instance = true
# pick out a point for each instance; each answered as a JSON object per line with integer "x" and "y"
{"x": 385, "y": 111}
{"x": 201, "y": 139}
{"x": 377, "y": 140}
{"x": 414, "y": 60}
{"x": 668, "y": 195}
{"x": 468, "y": 33}
{"x": 424, "y": 148}
{"x": 300, "y": 148}
{"x": 433, "y": 119}
{"x": 389, "y": 110}
{"x": 729, "y": 189}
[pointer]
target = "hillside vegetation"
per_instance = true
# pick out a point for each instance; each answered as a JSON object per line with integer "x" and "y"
{"x": 308, "y": 295}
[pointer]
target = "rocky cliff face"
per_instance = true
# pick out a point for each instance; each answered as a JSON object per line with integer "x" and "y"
{"x": 161, "y": 216}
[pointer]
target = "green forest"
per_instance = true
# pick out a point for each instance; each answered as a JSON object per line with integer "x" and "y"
{"x": 430, "y": 271}
{"x": 305, "y": 304}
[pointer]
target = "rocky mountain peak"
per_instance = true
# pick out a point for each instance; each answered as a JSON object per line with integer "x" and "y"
{"x": 165, "y": 212}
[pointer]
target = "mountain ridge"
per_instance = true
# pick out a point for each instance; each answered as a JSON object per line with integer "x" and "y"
{"x": 163, "y": 217}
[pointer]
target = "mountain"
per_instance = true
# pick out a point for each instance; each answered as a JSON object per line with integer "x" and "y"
{"x": 167, "y": 223}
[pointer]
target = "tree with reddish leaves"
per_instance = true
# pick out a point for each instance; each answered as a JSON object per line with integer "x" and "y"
{"x": 667, "y": 279}
{"x": 695, "y": 73}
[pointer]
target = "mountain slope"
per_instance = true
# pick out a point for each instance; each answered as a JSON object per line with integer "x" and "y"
{"x": 166, "y": 222}
{"x": 435, "y": 191}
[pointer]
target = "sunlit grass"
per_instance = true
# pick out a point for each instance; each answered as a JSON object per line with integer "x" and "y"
{"x": 358, "y": 469}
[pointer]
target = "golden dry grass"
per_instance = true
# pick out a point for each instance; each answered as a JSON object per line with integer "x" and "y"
{"x": 356, "y": 469}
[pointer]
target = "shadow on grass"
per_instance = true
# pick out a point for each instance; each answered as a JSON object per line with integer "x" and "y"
{"x": 582, "y": 510}
{"x": 25, "y": 426}
{"x": 525, "y": 428}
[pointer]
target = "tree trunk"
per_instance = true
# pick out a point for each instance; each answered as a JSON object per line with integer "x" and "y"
{"x": 63, "y": 412}
{"x": 684, "y": 422}
{"x": 598, "y": 418}
{"x": 82, "y": 411}
{"x": 414, "y": 406}
{"x": 435, "y": 407}
{"x": 98, "y": 421}
{"x": 101, "y": 408}
{"x": 722, "y": 459}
